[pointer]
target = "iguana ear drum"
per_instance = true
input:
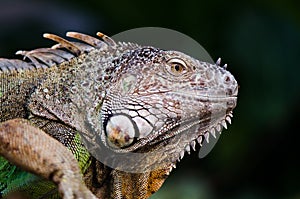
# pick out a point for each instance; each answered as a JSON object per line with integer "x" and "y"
{"x": 120, "y": 131}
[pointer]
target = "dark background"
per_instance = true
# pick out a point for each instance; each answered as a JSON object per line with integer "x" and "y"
{"x": 258, "y": 157}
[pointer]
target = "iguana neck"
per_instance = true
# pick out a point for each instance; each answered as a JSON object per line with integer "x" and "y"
{"x": 103, "y": 181}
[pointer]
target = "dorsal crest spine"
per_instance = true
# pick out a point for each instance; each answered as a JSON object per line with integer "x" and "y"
{"x": 63, "y": 51}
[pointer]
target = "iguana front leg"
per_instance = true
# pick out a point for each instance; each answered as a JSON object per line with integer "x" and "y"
{"x": 35, "y": 151}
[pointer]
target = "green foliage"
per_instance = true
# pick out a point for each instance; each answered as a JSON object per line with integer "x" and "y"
{"x": 14, "y": 179}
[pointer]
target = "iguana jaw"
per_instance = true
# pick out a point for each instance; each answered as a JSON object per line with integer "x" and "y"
{"x": 184, "y": 136}
{"x": 179, "y": 139}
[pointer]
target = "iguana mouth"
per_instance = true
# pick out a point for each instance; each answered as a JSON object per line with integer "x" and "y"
{"x": 190, "y": 123}
{"x": 207, "y": 98}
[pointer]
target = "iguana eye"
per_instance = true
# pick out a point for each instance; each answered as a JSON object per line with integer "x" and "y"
{"x": 176, "y": 66}
{"x": 120, "y": 131}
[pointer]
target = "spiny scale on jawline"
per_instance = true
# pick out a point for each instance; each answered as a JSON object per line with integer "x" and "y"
{"x": 200, "y": 140}
{"x": 188, "y": 149}
{"x": 212, "y": 131}
{"x": 228, "y": 119}
{"x": 224, "y": 124}
{"x": 193, "y": 145}
{"x": 206, "y": 135}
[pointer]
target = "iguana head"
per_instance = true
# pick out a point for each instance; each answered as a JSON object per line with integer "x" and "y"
{"x": 161, "y": 103}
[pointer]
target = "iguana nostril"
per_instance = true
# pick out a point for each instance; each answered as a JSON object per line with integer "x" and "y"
{"x": 227, "y": 79}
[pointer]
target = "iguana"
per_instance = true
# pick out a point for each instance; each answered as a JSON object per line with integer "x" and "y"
{"x": 71, "y": 114}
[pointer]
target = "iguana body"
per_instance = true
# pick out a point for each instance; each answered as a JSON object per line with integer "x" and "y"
{"x": 116, "y": 98}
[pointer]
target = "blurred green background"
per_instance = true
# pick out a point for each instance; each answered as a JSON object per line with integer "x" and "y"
{"x": 258, "y": 156}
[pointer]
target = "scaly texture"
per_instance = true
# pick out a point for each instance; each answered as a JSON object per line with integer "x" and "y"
{"x": 126, "y": 112}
